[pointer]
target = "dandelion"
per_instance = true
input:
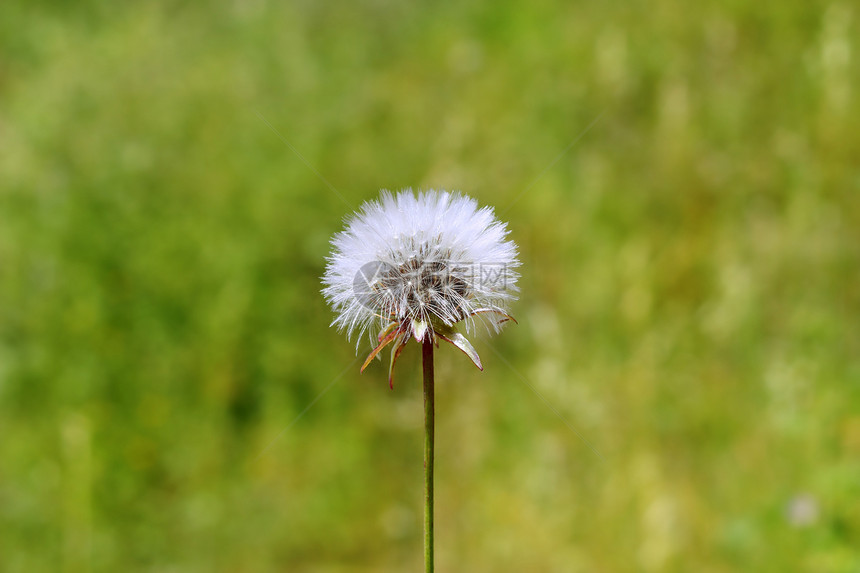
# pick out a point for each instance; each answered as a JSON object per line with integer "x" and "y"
{"x": 416, "y": 267}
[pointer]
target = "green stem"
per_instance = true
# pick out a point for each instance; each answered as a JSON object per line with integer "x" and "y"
{"x": 429, "y": 437}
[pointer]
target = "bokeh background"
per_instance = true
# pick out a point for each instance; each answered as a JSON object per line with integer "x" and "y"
{"x": 682, "y": 179}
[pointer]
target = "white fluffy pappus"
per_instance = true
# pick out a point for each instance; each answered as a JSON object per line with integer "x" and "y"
{"x": 415, "y": 265}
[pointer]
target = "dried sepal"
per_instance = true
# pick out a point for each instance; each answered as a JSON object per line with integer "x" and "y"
{"x": 464, "y": 345}
{"x": 399, "y": 344}
{"x": 385, "y": 341}
{"x": 505, "y": 316}
{"x": 386, "y": 331}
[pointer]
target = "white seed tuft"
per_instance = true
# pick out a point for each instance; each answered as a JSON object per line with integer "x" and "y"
{"x": 424, "y": 262}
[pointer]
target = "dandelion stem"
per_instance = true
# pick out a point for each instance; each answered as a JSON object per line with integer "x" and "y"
{"x": 429, "y": 438}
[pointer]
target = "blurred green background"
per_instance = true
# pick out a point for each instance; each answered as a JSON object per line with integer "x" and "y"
{"x": 690, "y": 291}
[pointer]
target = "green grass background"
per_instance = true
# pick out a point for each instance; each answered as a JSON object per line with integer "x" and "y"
{"x": 690, "y": 290}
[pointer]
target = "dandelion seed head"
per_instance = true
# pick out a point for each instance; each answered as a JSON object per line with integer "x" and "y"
{"x": 423, "y": 262}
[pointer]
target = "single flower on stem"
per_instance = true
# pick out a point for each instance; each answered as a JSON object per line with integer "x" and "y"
{"x": 416, "y": 266}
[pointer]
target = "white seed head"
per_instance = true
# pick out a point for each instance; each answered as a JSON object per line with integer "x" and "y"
{"x": 422, "y": 262}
